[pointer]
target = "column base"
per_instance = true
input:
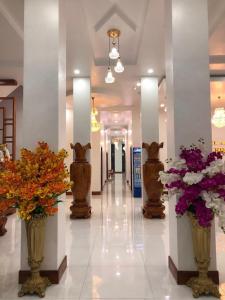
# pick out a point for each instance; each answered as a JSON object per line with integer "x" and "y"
{"x": 3, "y": 220}
{"x": 80, "y": 211}
{"x": 153, "y": 210}
{"x": 182, "y": 277}
{"x": 54, "y": 276}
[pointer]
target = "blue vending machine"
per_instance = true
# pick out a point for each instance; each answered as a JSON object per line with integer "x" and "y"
{"x": 137, "y": 172}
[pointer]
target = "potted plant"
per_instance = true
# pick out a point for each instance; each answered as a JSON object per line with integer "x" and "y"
{"x": 198, "y": 181}
{"x": 36, "y": 181}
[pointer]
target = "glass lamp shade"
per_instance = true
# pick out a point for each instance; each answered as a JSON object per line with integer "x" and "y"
{"x": 119, "y": 68}
{"x": 94, "y": 111}
{"x": 95, "y": 125}
{"x": 114, "y": 54}
{"x": 218, "y": 119}
{"x": 109, "y": 77}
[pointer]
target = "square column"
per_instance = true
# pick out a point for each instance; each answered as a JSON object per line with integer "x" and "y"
{"x": 44, "y": 109}
{"x": 189, "y": 112}
{"x": 150, "y": 134}
{"x": 80, "y": 170}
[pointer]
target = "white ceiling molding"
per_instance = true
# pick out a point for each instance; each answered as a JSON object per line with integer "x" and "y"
{"x": 115, "y": 10}
{"x": 11, "y": 20}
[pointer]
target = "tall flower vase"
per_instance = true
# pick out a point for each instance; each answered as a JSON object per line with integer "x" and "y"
{"x": 35, "y": 284}
{"x": 201, "y": 236}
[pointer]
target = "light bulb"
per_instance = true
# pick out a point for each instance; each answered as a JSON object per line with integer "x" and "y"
{"x": 109, "y": 77}
{"x": 114, "y": 54}
{"x": 119, "y": 68}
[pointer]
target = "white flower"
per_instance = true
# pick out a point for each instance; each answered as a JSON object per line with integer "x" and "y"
{"x": 213, "y": 200}
{"x": 177, "y": 164}
{"x": 215, "y": 167}
{"x": 193, "y": 178}
{"x": 164, "y": 197}
{"x": 166, "y": 178}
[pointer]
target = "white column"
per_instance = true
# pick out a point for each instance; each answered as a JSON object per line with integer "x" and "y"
{"x": 44, "y": 103}
{"x": 187, "y": 72}
{"x": 82, "y": 113}
{"x": 149, "y": 117}
{"x": 136, "y": 127}
{"x": 82, "y": 110}
{"x": 96, "y": 161}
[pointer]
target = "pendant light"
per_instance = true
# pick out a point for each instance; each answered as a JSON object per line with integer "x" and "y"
{"x": 114, "y": 54}
{"x": 95, "y": 125}
{"x": 109, "y": 77}
{"x": 119, "y": 68}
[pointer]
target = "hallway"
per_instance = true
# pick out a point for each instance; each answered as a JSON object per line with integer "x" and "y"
{"x": 114, "y": 255}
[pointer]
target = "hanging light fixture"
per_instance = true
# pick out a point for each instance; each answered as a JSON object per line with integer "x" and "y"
{"x": 114, "y": 35}
{"x": 119, "y": 68}
{"x": 114, "y": 54}
{"x": 95, "y": 125}
{"x": 109, "y": 77}
{"x": 218, "y": 119}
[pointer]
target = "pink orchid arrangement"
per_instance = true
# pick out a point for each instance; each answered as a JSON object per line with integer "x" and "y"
{"x": 198, "y": 180}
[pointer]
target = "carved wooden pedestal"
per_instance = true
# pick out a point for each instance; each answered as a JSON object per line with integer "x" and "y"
{"x": 3, "y": 220}
{"x": 153, "y": 208}
{"x": 80, "y": 174}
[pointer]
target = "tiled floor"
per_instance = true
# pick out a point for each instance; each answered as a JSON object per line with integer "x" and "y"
{"x": 115, "y": 255}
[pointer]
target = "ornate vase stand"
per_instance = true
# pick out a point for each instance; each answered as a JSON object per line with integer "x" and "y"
{"x": 35, "y": 284}
{"x": 80, "y": 174}
{"x": 153, "y": 207}
{"x": 201, "y": 285}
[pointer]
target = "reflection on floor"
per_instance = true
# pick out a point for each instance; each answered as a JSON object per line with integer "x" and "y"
{"x": 114, "y": 255}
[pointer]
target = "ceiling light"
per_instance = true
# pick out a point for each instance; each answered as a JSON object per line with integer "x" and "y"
{"x": 114, "y": 50}
{"x": 165, "y": 109}
{"x": 119, "y": 68}
{"x": 109, "y": 77}
{"x": 218, "y": 119}
{"x": 162, "y": 105}
{"x": 150, "y": 71}
{"x": 76, "y": 71}
{"x": 138, "y": 83}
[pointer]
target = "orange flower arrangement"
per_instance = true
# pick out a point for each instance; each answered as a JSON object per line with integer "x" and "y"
{"x": 34, "y": 182}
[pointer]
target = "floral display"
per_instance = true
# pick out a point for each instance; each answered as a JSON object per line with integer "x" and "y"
{"x": 34, "y": 183}
{"x": 199, "y": 182}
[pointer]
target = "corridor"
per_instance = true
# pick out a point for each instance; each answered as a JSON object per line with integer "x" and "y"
{"x": 115, "y": 255}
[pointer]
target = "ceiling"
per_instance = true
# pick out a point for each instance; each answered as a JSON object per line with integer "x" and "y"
{"x": 141, "y": 45}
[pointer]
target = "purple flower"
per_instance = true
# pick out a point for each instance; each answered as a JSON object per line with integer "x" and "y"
{"x": 214, "y": 156}
{"x": 203, "y": 214}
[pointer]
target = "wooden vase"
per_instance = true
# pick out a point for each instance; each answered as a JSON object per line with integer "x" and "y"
{"x": 35, "y": 284}
{"x": 153, "y": 207}
{"x": 80, "y": 174}
{"x": 201, "y": 285}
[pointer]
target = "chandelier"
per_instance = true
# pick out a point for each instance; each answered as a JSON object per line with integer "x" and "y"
{"x": 95, "y": 125}
{"x": 218, "y": 118}
{"x": 114, "y": 55}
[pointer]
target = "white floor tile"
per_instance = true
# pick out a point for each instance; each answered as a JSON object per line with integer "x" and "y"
{"x": 117, "y": 254}
{"x": 116, "y": 283}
